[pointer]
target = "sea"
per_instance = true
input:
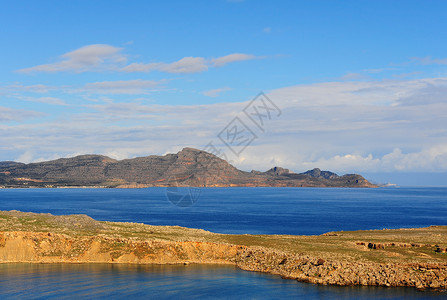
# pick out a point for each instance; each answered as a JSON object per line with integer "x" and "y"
{"x": 297, "y": 211}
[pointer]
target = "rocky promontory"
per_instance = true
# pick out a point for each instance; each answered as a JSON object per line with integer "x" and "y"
{"x": 189, "y": 167}
{"x": 399, "y": 257}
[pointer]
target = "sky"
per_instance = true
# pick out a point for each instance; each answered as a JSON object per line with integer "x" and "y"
{"x": 346, "y": 86}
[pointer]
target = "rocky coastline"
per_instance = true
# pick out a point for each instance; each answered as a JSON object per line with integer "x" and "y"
{"x": 391, "y": 258}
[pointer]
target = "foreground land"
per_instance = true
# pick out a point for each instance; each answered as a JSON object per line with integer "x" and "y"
{"x": 400, "y": 257}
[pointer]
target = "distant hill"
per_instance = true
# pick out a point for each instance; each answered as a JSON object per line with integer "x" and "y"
{"x": 189, "y": 167}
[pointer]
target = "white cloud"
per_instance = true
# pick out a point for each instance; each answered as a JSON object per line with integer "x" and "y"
{"x": 26, "y": 157}
{"x": 188, "y": 64}
{"x": 354, "y": 93}
{"x": 221, "y": 61}
{"x": 137, "y": 86}
{"x": 96, "y": 57}
{"x": 141, "y": 67}
{"x": 102, "y": 57}
{"x": 430, "y": 159}
{"x": 216, "y": 92}
{"x": 184, "y": 65}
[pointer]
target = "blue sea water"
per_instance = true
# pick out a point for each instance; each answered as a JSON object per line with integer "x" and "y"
{"x": 246, "y": 210}
{"x": 224, "y": 210}
{"x": 102, "y": 281}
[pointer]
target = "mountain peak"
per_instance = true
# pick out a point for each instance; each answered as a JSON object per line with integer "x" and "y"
{"x": 189, "y": 149}
{"x": 278, "y": 171}
{"x": 317, "y": 173}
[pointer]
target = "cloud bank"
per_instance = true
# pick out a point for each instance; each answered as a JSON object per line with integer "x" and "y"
{"x": 375, "y": 126}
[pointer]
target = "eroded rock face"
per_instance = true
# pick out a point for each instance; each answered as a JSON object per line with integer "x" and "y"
{"x": 51, "y": 248}
{"x": 189, "y": 167}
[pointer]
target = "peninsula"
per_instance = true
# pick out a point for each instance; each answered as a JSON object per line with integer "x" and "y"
{"x": 189, "y": 167}
{"x": 399, "y": 257}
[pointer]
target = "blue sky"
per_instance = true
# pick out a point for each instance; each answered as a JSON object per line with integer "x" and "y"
{"x": 361, "y": 84}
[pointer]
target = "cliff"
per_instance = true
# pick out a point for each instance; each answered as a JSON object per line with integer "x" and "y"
{"x": 401, "y": 257}
{"x": 189, "y": 167}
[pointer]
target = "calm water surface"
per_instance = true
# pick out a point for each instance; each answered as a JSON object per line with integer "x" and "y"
{"x": 247, "y": 210}
{"x": 48, "y": 281}
{"x": 225, "y": 210}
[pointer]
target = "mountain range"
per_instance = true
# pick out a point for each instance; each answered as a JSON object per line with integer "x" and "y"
{"x": 189, "y": 167}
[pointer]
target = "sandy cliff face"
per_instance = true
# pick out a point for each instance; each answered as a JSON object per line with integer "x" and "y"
{"x": 50, "y": 248}
{"x": 46, "y": 247}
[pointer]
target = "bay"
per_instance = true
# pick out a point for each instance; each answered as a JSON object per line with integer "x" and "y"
{"x": 105, "y": 281}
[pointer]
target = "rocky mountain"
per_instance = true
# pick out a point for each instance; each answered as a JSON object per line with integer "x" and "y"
{"x": 189, "y": 167}
{"x": 317, "y": 173}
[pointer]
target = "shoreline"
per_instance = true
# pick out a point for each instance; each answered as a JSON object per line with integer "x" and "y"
{"x": 190, "y": 186}
{"x": 375, "y": 257}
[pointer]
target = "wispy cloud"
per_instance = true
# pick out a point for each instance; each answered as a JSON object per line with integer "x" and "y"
{"x": 46, "y": 100}
{"x": 102, "y": 57}
{"x": 9, "y": 114}
{"x": 98, "y": 57}
{"x": 141, "y": 67}
{"x": 406, "y": 75}
{"x": 428, "y": 60}
{"x": 378, "y": 70}
{"x": 353, "y": 76}
{"x": 222, "y": 61}
{"x": 188, "y": 64}
{"x": 216, "y": 92}
{"x": 123, "y": 110}
{"x": 35, "y": 88}
{"x": 185, "y": 65}
{"x": 137, "y": 86}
